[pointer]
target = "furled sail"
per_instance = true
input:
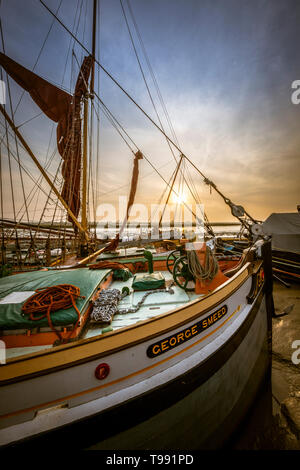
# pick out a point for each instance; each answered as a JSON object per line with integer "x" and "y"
{"x": 63, "y": 108}
{"x": 134, "y": 181}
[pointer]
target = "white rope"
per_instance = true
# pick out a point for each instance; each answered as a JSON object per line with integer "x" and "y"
{"x": 207, "y": 272}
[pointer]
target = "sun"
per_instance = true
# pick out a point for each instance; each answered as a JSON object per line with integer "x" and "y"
{"x": 179, "y": 198}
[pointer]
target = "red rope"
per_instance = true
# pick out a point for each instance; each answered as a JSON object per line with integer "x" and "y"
{"x": 50, "y": 299}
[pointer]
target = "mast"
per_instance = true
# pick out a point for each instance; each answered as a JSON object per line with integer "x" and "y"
{"x": 89, "y": 94}
{"x": 93, "y": 48}
{"x": 84, "y": 165}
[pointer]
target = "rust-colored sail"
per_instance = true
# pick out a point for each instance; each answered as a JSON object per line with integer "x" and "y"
{"x": 64, "y": 109}
{"x": 69, "y": 140}
{"x": 52, "y": 101}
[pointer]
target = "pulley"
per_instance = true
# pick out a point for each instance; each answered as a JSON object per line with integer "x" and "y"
{"x": 237, "y": 211}
{"x": 257, "y": 230}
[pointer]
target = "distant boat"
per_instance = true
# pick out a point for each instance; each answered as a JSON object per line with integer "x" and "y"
{"x": 153, "y": 349}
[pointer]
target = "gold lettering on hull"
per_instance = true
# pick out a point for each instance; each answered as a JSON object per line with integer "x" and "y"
{"x": 185, "y": 335}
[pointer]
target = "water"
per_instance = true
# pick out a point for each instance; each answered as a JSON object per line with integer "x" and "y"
{"x": 136, "y": 233}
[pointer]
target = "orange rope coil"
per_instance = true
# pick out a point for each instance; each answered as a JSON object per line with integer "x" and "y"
{"x": 51, "y": 299}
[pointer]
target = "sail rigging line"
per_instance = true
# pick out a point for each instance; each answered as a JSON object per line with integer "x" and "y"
{"x": 36, "y": 182}
{"x": 153, "y": 78}
{"x": 149, "y": 92}
{"x": 45, "y": 165}
{"x": 206, "y": 180}
{"x": 19, "y": 258}
{"x": 47, "y": 201}
{"x": 128, "y": 184}
{"x": 116, "y": 124}
{"x": 159, "y": 96}
{"x": 97, "y": 39}
{"x": 143, "y": 75}
{"x": 171, "y": 188}
{"x": 93, "y": 47}
{"x": 18, "y": 220}
{"x": 12, "y": 189}
{"x": 70, "y": 48}
{"x": 39, "y": 55}
{"x": 164, "y": 191}
{"x": 15, "y": 138}
{"x": 42, "y": 82}
{"x": 155, "y": 84}
{"x": 38, "y": 187}
{"x": 57, "y": 105}
{"x": 152, "y": 73}
{"x": 148, "y": 161}
{"x": 208, "y": 226}
{"x": 31, "y": 154}
{"x": 29, "y": 120}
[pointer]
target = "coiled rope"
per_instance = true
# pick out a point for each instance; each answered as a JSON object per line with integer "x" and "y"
{"x": 50, "y": 299}
{"x": 206, "y": 272}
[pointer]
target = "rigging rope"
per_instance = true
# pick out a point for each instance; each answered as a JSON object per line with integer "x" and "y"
{"x": 206, "y": 272}
{"x": 50, "y": 299}
{"x": 206, "y": 180}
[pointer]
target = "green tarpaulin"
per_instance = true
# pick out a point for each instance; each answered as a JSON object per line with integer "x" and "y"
{"x": 148, "y": 281}
{"x": 14, "y": 288}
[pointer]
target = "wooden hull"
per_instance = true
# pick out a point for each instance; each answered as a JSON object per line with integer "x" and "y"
{"x": 202, "y": 408}
{"x": 191, "y": 365}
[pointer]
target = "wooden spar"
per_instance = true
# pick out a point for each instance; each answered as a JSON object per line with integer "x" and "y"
{"x": 93, "y": 47}
{"x": 33, "y": 157}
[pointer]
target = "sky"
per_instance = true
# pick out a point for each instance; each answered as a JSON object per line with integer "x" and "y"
{"x": 225, "y": 70}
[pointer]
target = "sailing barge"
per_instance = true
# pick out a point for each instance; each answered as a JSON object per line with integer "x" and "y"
{"x": 163, "y": 352}
{"x": 184, "y": 361}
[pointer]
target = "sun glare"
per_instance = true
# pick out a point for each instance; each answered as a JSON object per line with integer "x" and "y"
{"x": 180, "y": 198}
